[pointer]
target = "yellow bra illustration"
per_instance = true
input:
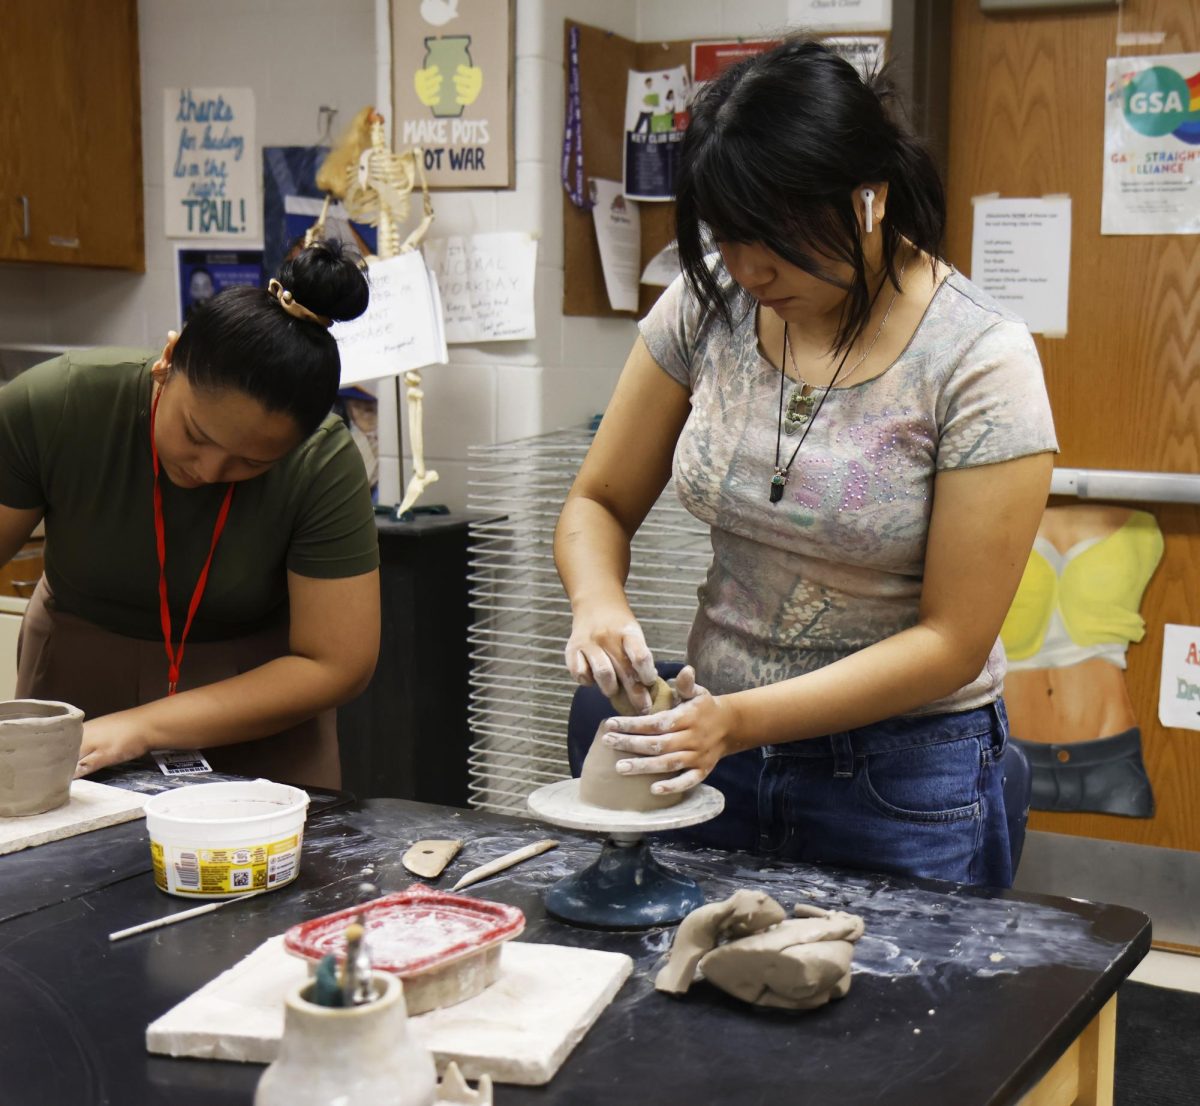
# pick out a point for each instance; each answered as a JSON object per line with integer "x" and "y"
{"x": 1097, "y": 589}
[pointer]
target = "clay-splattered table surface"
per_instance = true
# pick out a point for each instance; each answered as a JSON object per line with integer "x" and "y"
{"x": 61, "y": 870}
{"x": 958, "y": 997}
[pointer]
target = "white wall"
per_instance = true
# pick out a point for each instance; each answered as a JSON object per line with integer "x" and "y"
{"x": 297, "y": 55}
{"x": 670, "y": 20}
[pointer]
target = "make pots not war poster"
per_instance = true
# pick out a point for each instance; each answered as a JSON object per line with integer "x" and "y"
{"x": 1152, "y": 146}
{"x": 452, "y": 72}
{"x": 209, "y": 173}
{"x": 655, "y": 118}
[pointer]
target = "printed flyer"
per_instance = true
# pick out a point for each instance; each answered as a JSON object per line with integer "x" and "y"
{"x": 655, "y": 118}
{"x": 1152, "y": 146}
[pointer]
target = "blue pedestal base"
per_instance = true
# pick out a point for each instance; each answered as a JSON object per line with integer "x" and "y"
{"x": 626, "y": 888}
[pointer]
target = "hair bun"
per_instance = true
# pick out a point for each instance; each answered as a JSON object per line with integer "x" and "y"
{"x": 328, "y": 279}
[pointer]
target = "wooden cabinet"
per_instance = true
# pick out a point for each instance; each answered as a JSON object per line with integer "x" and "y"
{"x": 10, "y": 629}
{"x": 19, "y": 577}
{"x": 70, "y": 133}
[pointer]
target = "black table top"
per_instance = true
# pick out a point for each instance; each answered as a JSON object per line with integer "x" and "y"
{"x": 63, "y": 870}
{"x": 958, "y": 997}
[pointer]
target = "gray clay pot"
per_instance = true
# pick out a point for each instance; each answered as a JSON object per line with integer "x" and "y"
{"x": 39, "y": 750}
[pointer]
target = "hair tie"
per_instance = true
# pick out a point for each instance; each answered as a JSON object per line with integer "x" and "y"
{"x": 288, "y": 302}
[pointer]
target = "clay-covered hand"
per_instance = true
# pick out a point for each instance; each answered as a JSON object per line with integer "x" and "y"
{"x": 607, "y": 648}
{"x": 110, "y": 739}
{"x": 427, "y": 83}
{"x": 468, "y": 81}
{"x": 688, "y": 739}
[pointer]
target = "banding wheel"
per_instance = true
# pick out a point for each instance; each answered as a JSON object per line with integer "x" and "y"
{"x": 626, "y": 887}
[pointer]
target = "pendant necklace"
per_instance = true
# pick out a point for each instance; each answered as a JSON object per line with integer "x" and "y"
{"x": 802, "y": 410}
{"x": 800, "y": 403}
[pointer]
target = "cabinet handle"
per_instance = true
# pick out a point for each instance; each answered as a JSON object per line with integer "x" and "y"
{"x": 23, "y": 588}
{"x": 24, "y": 216}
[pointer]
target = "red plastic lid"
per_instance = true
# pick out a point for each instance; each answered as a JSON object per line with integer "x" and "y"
{"x": 411, "y": 931}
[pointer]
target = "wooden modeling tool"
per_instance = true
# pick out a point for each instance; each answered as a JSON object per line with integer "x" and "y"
{"x": 428, "y": 859}
{"x": 502, "y": 862}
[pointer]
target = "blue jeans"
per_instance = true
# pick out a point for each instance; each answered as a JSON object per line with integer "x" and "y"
{"x": 917, "y": 796}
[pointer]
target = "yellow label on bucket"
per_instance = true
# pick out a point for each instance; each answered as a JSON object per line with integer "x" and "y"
{"x": 160, "y": 869}
{"x": 228, "y": 871}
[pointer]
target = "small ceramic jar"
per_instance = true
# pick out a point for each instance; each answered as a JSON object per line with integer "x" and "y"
{"x": 349, "y": 1056}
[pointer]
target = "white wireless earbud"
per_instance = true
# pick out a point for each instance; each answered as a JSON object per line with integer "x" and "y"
{"x": 868, "y": 199}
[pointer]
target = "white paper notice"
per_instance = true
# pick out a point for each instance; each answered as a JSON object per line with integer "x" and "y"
{"x": 840, "y": 15}
{"x": 1179, "y": 692}
{"x": 486, "y": 282}
{"x": 402, "y": 328}
{"x": 619, "y": 234}
{"x": 663, "y": 267}
{"x": 1021, "y": 255}
{"x": 209, "y": 176}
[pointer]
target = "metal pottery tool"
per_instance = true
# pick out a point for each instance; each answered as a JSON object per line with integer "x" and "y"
{"x": 626, "y": 888}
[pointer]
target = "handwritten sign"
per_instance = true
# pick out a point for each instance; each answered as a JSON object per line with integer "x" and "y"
{"x": 486, "y": 281}
{"x": 1179, "y": 691}
{"x": 402, "y": 328}
{"x": 210, "y": 158}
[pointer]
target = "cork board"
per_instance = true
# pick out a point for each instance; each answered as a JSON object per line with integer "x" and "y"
{"x": 604, "y": 59}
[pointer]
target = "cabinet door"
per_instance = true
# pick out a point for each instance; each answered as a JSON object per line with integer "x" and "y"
{"x": 70, "y": 135}
{"x": 10, "y": 628}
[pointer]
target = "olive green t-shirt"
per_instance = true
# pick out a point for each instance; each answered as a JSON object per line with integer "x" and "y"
{"x": 75, "y": 439}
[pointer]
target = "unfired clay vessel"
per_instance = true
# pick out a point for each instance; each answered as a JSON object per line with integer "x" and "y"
{"x": 39, "y": 751}
{"x": 602, "y": 785}
{"x": 354, "y": 1056}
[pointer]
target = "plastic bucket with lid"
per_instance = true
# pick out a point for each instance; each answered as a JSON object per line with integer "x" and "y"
{"x": 221, "y": 840}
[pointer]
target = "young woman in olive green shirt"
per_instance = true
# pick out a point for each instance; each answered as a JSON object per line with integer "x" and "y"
{"x": 251, "y": 469}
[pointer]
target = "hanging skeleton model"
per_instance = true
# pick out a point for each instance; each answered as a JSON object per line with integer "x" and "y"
{"x": 375, "y": 185}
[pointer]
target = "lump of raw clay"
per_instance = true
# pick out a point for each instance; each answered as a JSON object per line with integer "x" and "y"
{"x": 602, "y": 785}
{"x": 660, "y": 694}
{"x": 39, "y": 750}
{"x": 743, "y": 913}
{"x": 767, "y": 959}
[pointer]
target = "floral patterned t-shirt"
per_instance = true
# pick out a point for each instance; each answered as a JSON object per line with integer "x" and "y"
{"x": 837, "y": 564}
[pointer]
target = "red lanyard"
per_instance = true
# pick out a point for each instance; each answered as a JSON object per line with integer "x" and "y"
{"x": 175, "y": 659}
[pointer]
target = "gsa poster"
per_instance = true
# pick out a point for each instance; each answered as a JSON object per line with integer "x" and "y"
{"x": 1152, "y": 146}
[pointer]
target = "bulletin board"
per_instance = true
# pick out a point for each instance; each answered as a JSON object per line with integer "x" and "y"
{"x": 604, "y": 59}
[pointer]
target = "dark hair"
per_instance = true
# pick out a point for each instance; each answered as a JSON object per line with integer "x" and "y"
{"x": 775, "y": 148}
{"x": 243, "y": 338}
